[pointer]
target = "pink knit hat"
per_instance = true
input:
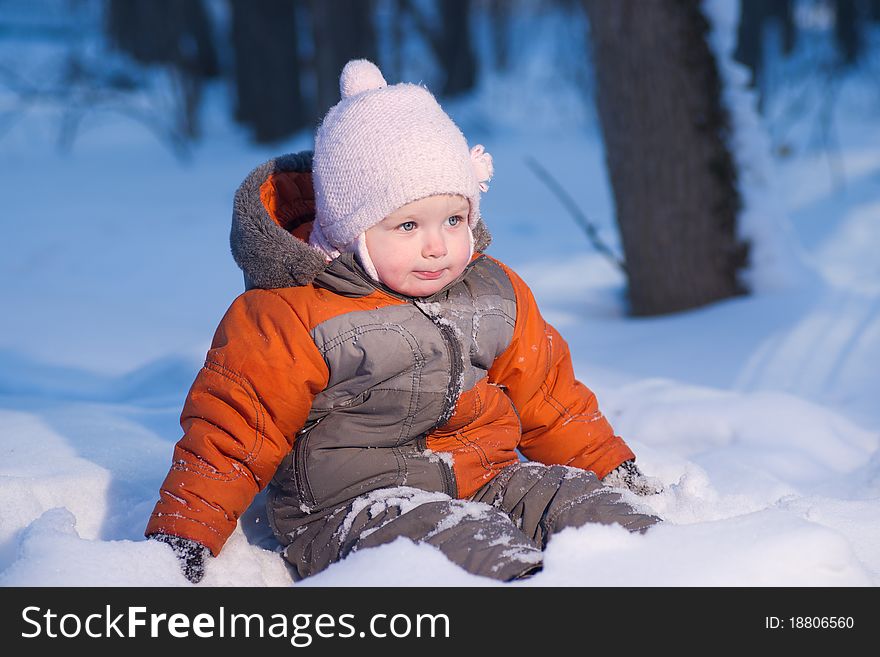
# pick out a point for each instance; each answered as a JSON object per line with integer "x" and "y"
{"x": 380, "y": 148}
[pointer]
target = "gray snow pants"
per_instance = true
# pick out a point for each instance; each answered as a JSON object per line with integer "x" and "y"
{"x": 499, "y": 532}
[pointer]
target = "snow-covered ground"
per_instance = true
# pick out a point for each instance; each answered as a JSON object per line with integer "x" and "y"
{"x": 760, "y": 414}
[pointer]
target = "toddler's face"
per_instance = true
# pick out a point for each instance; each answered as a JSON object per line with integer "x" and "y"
{"x": 421, "y": 247}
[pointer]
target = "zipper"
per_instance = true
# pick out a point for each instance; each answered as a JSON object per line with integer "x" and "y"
{"x": 453, "y": 388}
{"x": 453, "y": 392}
{"x": 299, "y": 464}
{"x": 456, "y": 369}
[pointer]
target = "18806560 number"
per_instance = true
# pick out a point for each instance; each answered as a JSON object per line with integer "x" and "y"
{"x": 821, "y": 622}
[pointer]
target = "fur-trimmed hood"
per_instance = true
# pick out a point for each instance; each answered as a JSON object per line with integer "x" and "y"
{"x": 272, "y": 217}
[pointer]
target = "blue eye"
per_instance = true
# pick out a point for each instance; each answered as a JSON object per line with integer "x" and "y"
{"x": 454, "y": 220}
{"x": 407, "y": 226}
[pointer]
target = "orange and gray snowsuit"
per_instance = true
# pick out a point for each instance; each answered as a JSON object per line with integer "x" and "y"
{"x": 373, "y": 415}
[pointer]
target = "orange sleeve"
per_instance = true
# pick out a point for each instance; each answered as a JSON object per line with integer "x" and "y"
{"x": 560, "y": 417}
{"x": 240, "y": 418}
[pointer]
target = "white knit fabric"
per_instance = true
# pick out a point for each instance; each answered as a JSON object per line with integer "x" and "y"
{"x": 381, "y": 147}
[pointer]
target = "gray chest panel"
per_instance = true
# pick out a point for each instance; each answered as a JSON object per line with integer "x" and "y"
{"x": 425, "y": 352}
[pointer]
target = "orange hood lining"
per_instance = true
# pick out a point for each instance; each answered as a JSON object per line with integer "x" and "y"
{"x": 289, "y": 199}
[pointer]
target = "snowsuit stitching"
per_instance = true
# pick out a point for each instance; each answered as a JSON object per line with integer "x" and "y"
{"x": 558, "y": 406}
{"x": 418, "y": 359}
{"x": 259, "y": 433}
{"x": 198, "y": 464}
{"x": 584, "y": 417}
{"x": 550, "y": 522}
{"x": 180, "y": 516}
{"x": 478, "y": 404}
{"x": 494, "y": 311}
{"x": 476, "y": 448}
{"x": 548, "y": 395}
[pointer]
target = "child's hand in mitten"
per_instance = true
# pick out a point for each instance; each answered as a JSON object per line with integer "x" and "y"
{"x": 628, "y": 475}
{"x": 191, "y": 555}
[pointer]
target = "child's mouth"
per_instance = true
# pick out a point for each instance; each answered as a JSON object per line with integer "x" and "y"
{"x": 429, "y": 275}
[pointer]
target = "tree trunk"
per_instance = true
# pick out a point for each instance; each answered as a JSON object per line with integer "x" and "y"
{"x": 665, "y": 131}
{"x": 454, "y": 48}
{"x": 750, "y": 37}
{"x": 783, "y": 10}
{"x": 847, "y": 31}
{"x": 499, "y": 16}
{"x": 267, "y": 79}
{"x": 171, "y": 33}
{"x": 450, "y": 42}
{"x": 753, "y": 17}
{"x": 343, "y": 30}
{"x": 176, "y": 32}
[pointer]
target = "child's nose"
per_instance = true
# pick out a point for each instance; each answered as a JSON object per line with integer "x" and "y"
{"x": 434, "y": 245}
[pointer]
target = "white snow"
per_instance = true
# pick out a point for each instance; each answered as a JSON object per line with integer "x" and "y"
{"x": 406, "y": 499}
{"x": 759, "y": 415}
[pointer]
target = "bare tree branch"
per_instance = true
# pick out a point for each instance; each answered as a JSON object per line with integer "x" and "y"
{"x": 578, "y": 214}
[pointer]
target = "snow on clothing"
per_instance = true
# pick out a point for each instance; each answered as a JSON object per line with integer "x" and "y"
{"x": 342, "y": 393}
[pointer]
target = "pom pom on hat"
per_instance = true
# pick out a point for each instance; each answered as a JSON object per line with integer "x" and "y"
{"x": 358, "y": 76}
{"x": 482, "y": 164}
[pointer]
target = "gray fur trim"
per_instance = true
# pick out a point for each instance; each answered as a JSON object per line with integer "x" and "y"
{"x": 482, "y": 237}
{"x": 269, "y": 256}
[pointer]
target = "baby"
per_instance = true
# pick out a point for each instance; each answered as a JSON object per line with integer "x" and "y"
{"x": 382, "y": 374}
